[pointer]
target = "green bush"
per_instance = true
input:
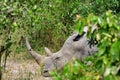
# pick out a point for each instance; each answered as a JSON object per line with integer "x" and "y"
{"x": 45, "y": 22}
{"x": 106, "y": 63}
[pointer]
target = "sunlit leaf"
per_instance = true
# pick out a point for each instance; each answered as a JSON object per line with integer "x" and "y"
{"x": 105, "y": 60}
{"x": 107, "y": 71}
{"x": 114, "y": 70}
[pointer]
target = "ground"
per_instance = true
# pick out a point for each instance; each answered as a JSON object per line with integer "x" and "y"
{"x": 22, "y": 70}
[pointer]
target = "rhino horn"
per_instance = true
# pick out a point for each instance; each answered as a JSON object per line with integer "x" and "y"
{"x": 38, "y": 58}
{"x": 47, "y": 51}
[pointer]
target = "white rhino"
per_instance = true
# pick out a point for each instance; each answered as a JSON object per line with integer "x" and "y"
{"x": 76, "y": 46}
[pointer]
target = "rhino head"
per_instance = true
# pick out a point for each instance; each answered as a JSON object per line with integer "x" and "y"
{"x": 76, "y": 46}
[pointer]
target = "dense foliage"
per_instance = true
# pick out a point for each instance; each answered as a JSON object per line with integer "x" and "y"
{"x": 106, "y": 63}
{"x": 49, "y": 22}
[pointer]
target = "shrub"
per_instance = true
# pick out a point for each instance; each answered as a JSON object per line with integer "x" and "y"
{"x": 106, "y": 63}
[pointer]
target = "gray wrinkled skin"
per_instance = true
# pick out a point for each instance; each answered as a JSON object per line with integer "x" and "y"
{"x": 70, "y": 49}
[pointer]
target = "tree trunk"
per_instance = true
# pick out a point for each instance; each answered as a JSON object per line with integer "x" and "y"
{"x": 0, "y": 66}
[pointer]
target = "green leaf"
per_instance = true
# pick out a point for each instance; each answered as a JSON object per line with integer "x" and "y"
{"x": 79, "y": 26}
{"x": 115, "y": 51}
{"x": 99, "y": 20}
{"x": 105, "y": 60}
{"x": 101, "y": 50}
{"x": 107, "y": 35}
{"x": 38, "y": 27}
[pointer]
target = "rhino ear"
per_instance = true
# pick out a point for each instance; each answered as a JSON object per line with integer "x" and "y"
{"x": 47, "y": 51}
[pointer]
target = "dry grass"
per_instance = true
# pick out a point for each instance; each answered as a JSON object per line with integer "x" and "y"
{"x": 22, "y": 70}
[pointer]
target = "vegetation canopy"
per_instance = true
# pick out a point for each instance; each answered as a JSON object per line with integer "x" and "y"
{"x": 106, "y": 63}
{"x": 49, "y": 22}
